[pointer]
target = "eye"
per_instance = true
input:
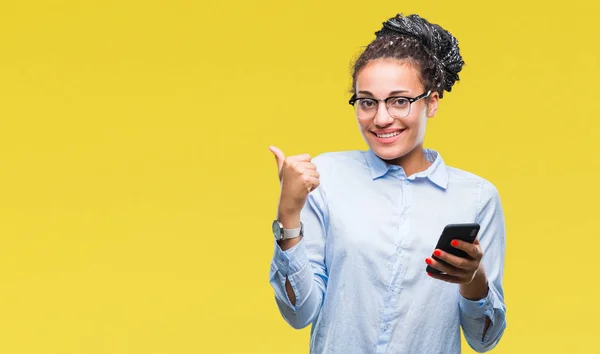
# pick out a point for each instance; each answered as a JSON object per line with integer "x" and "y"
{"x": 399, "y": 102}
{"x": 366, "y": 103}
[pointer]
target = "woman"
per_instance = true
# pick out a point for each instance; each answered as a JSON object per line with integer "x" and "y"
{"x": 350, "y": 256}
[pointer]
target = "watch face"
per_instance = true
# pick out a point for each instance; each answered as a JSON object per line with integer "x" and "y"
{"x": 276, "y": 230}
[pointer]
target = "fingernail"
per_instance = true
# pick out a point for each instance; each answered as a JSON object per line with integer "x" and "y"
{"x": 454, "y": 243}
{"x": 429, "y": 274}
{"x": 427, "y": 260}
{"x": 437, "y": 253}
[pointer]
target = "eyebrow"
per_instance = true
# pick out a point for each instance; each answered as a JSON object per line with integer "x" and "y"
{"x": 391, "y": 93}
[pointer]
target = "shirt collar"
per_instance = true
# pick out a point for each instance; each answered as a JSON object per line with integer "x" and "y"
{"x": 436, "y": 173}
{"x": 377, "y": 165}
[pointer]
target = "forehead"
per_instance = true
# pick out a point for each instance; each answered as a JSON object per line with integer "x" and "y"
{"x": 382, "y": 76}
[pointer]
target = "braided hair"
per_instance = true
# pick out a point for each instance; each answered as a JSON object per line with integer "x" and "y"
{"x": 433, "y": 49}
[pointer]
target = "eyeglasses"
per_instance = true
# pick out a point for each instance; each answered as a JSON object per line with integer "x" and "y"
{"x": 397, "y": 106}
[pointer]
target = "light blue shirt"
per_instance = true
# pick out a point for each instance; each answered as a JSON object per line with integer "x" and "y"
{"x": 359, "y": 272}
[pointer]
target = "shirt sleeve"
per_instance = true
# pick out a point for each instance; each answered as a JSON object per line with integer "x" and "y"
{"x": 304, "y": 266}
{"x": 492, "y": 238}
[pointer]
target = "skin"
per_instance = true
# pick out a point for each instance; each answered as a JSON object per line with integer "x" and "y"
{"x": 380, "y": 79}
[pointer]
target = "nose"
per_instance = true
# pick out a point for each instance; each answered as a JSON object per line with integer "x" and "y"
{"x": 382, "y": 117}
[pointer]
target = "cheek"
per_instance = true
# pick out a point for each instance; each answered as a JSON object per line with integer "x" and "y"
{"x": 417, "y": 127}
{"x": 422, "y": 127}
{"x": 363, "y": 125}
{"x": 414, "y": 124}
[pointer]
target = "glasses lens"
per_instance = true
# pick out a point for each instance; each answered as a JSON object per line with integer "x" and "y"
{"x": 398, "y": 107}
{"x": 366, "y": 108}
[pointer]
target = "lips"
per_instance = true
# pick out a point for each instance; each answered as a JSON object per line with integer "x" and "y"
{"x": 387, "y": 136}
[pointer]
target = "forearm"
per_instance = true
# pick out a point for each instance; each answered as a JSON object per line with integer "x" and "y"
{"x": 298, "y": 287}
{"x": 289, "y": 221}
{"x": 298, "y": 274}
{"x": 476, "y": 290}
{"x": 482, "y": 317}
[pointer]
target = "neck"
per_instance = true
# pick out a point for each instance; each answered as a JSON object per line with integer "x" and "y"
{"x": 413, "y": 162}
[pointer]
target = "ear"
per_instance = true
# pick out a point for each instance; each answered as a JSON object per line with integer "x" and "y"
{"x": 432, "y": 105}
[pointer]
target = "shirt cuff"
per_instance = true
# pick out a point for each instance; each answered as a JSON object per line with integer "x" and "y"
{"x": 290, "y": 261}
{"x": 477, "y": 309}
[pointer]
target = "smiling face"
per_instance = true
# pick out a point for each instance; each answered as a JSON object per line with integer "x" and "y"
{"x": 398, "y": 141}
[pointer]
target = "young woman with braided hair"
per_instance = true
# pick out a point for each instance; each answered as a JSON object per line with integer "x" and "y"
{"x": 355, "y": 229}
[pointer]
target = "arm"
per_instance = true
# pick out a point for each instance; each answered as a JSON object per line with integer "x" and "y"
{"x": 481, "y": 302}
{"x": 298, "y": 275}
{"x": 481, "y": 298}
{"x": 289, "y": 222}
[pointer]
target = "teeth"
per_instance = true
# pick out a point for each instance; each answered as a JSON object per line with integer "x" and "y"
{"x": 388, "y": 135}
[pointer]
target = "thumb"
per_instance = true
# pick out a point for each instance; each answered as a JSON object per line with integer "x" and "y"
{"x": 279, "y": 157}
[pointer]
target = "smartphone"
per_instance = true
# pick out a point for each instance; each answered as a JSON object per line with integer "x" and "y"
{"x": 464, "y": 232}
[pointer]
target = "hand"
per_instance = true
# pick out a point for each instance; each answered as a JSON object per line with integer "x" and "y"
{"x": 298, "y": 177}
{"x": 458, "y": 270}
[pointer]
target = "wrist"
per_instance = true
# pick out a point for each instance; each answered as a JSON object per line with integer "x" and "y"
{"x": 290, "y": 219}
{"x": 477, "y": 289}
{"x": 289, "y": 204}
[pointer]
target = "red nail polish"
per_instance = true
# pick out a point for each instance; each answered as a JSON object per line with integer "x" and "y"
{"x": 427, "y": 260}
{"x": 437, "y": 253}
{"x": 429, "y": 274}
{"x": 454, "y": 243}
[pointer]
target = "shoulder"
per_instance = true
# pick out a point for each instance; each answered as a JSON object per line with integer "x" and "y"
{"x": 339, "y": 171}
{"x": 486, "y": 188}
{"x": 336, "y": 160}
{"x": 334, "y": 168}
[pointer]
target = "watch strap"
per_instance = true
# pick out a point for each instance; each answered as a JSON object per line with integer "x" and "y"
{"x": 292, "y": 233}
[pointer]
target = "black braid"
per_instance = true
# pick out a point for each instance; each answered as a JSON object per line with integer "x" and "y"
{"x": 431, "y": 47}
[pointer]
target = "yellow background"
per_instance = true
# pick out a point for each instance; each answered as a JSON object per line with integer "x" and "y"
{"x": 137, "y": 190}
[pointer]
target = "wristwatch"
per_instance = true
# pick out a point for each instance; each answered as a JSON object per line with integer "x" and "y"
{"x": 285, "y": 234}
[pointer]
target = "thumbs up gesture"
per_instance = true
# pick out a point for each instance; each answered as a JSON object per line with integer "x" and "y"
{"x": 298, "y": 177}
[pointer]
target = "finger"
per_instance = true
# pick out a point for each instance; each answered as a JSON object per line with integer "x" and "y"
{"x": 445, "y": 277}
{"x": 299, "y": 162}
{"x": 307, "y": 165}
{"x": 312, "y": 183}
{"x": 300, "y": 158}
{"x": 455, "y": 261}
{"x": 443, "y": 267}
{"x": 279, "y": 158}
{"x": 298, "y": 165}
{"x": 472, "y": 249}
{"x": 313, "y": 174}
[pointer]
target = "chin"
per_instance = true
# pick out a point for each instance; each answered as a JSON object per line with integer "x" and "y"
{"x": 389, "y": 153}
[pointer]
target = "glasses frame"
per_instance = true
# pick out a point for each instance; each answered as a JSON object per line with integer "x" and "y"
{"x": 411, "y": 100}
